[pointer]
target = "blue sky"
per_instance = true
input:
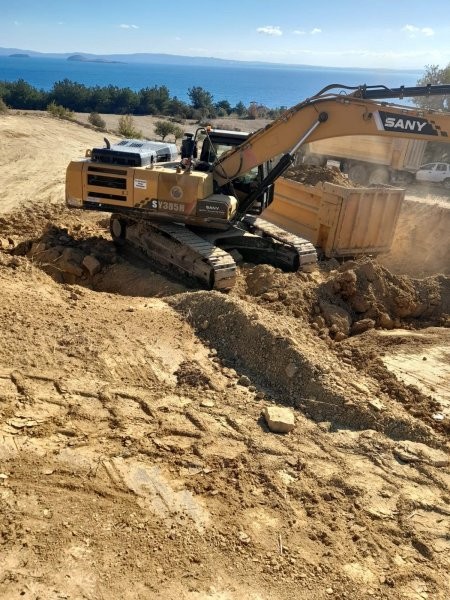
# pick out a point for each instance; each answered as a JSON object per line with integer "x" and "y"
{"x": 386, "y": 33}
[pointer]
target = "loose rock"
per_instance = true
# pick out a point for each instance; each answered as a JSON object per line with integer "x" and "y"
{"x": 244, "y": 380}
{"x": 92, "y": 265}
{"x": 279, "y": 419}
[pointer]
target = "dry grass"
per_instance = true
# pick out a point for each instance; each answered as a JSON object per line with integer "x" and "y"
{"x": 146, "y": 124}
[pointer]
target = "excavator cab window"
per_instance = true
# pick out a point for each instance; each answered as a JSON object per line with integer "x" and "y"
{"x": 214, "y": 147}
{"x": 219, "y": 142}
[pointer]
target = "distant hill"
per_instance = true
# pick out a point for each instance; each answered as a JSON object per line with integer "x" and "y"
{"x": 142, "y": 58}
{"x": 146, "y": 58}
{"x": 19, "y": 55}
{"x": 84, "y": 58}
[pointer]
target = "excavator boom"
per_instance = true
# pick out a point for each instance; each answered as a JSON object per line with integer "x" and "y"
{"x": 334, "y": 115}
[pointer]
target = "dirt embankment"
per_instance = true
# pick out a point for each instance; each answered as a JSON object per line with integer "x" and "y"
{"x": 134, "y": 460}
{"x": 421, "y": 244}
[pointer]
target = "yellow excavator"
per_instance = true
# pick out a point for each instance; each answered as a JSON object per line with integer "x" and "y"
{"x": 196, "y": 215}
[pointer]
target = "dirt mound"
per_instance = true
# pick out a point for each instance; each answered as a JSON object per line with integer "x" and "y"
{"x": 312, "y": 175}
{"x": 351, "y": 298}
{"x": 318, "y": 384}
{"x": 350, "y": 304}
{"x": 373, "y": 296}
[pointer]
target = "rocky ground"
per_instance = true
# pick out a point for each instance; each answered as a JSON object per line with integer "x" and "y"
{"x": 135, "y": 460}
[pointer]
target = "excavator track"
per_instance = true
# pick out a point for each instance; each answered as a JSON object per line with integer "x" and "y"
{"x": 305, "y": 250}
{"x": 176, "y": 246}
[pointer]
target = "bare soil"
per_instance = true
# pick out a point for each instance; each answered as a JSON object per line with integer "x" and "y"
{"x": 134, "y": 460}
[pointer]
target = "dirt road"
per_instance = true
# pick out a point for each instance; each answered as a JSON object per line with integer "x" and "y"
{"x": 134, "y": 460}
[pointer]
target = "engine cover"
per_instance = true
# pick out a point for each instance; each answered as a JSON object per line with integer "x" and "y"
{"x": 135, "y": 153}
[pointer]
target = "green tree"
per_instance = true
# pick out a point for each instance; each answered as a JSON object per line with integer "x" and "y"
{"x": 72, "y": 95}
{"x": 178, "y": 132}
{"x": 224, "y": 106}
{"x": 240, "y": 109}
{"x": 163, "y": 129}
{"x": 178, "y": 108}
{"x": 100, "y": 99}
{"x": 126, "y": 101}
{"x": 200, "y": 98}
{"x": 434, "y": 75}
{"x": 21, "y": 94}
{"x": 154, "y": 100}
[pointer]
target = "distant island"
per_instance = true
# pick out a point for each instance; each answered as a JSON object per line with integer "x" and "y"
{"x": 177, "y": 59}
{"x": 19, "y": 55}
{"x": 82, "y": 58}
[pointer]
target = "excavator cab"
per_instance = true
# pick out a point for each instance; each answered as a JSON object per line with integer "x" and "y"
{"x": 219, "y": 141}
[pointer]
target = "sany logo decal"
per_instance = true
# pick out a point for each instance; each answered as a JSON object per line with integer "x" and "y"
{"x": 403, "y": 124}
{"x": 387, "y": 121}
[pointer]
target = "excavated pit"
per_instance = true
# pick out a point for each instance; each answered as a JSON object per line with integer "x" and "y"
{"x": 76, "y": 248}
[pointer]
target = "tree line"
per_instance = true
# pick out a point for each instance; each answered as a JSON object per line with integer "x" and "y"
{"x": 112, "y": 99}
{"x": 157, "y": 100}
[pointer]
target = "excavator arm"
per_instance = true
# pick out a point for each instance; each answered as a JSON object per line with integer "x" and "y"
{"x": 333, "y": 115}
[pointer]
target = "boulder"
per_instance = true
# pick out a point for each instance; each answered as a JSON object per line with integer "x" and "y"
{"x": 279, "y": 419}
{"x": 362, "y": 326}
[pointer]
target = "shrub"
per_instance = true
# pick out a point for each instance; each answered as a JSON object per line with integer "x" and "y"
{"x": 96, "y": 120}
{"x": 3, "y": 107}
{"x": 127, "y": 129}
{"x": 60, "y": 112}
{"x": 177, "y": 119}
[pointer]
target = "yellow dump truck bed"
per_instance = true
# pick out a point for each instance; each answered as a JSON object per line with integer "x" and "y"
{"x": 341, "y": 221}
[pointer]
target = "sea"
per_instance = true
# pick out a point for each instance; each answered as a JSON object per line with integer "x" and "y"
{"x": 273, "y": 86}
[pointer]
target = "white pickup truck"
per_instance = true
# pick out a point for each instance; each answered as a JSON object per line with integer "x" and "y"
{"x": 437, "y": 172}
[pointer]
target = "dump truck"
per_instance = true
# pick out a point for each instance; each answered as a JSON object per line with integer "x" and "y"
{"x": 369, "y": 159}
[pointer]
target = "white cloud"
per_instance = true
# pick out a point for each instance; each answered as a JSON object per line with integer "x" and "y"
{"x": 125, "y": 26}
{"x": 270, "y": 30}
{"x": 298, "y": 32}
{"x": 412, "y": 30}
{"x": 427, "y": 31}
{"x": 315, "y": 30}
